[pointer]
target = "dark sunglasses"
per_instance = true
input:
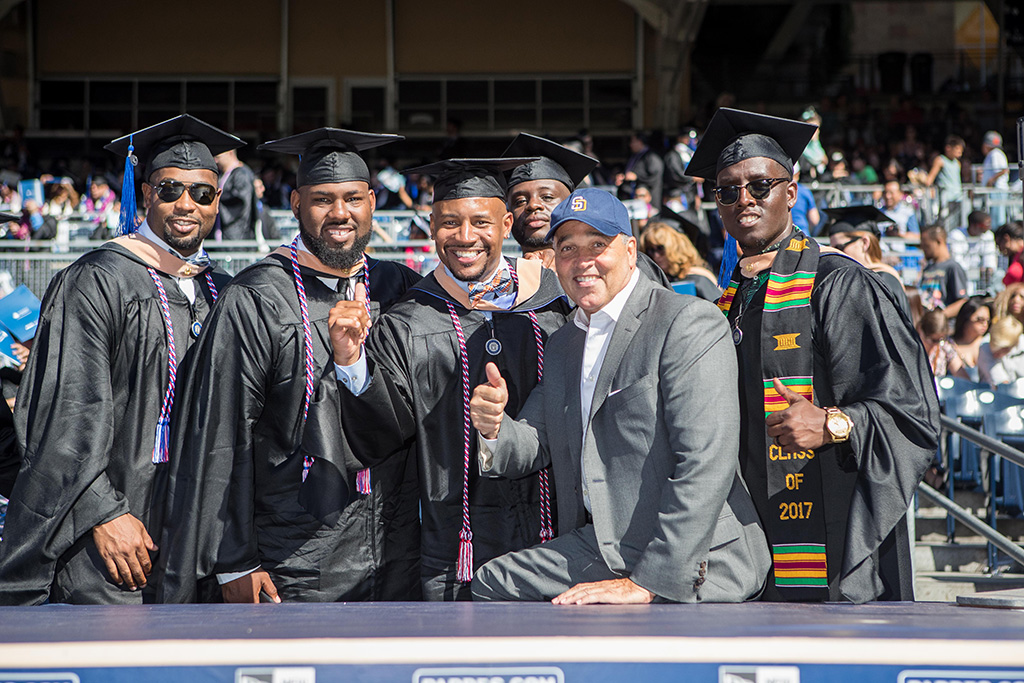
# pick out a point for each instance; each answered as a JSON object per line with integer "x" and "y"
{"x": 655, "y": 249}
{"x": 758, "y": 189}
{"x": 201, "y": 193}
{"x": 842, "y": 247}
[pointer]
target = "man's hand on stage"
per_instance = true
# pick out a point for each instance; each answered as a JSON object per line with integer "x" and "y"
{"x": 487, "y": 405}
{"x": 610, "y": 592}
{"x": 799, "y": 427}
{"x": 124, "y": 545}
{"x": 246, "y": 589}
{"x": 349, "y": 324}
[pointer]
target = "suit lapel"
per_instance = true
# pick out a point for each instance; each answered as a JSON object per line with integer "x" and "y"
{"x": 625, "y": 330}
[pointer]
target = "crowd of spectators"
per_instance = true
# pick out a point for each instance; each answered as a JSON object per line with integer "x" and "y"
{"x": 930, "y": 171}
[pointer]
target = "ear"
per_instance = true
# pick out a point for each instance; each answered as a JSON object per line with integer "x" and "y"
{"x": 373, "y": 200}
{"x": 506, "y": 223}
{"x": 791, "y": 194}
{"x": 147, "y": 195}
{"x": 631, "y": 251}
{"x": 295, "y": 200}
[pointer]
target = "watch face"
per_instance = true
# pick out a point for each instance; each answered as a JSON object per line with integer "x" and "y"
{"x": 838, "y": 426}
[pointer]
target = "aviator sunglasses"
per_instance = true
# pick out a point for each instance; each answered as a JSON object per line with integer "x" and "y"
{"x": 728, "y": 195}
{"x": 201, "y": 193}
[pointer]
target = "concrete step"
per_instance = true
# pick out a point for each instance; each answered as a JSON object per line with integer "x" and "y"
{"x": 945, "y": 586}
{"x": 950, "y": 557}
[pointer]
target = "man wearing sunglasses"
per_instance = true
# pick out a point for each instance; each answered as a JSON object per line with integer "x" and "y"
{"x": 301, "y": 523}
{"x": 839, "y": 418}
{"x": 97, "y": 395}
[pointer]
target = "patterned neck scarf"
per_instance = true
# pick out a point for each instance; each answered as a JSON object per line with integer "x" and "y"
{"x": 498, "y": 287}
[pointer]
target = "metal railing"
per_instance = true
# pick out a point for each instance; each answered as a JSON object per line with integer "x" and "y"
{"x": 992, "y": 450}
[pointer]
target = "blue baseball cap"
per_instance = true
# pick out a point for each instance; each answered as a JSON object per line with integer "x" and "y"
{"x": 597, "y": 208}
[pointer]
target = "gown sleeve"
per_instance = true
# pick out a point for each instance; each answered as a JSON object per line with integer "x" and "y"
{"x": 880, "y": 377}
{"x": 64, "y": 425}
{"x": 210, "y": 524}
{"x": 381, "y": 420}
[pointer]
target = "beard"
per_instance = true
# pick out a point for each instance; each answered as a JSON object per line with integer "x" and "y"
{"x": 533, "y": 242}
{"x": 184, "y": 245}
{"x": 340, "y": 258}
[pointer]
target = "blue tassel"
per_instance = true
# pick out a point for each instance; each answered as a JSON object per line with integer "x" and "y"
{"x": 730, "y": 257}
{"x": 162, "y": 445}
{"x": 129, "y": 211}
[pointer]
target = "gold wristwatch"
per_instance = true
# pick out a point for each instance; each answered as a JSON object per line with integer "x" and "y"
{"x": 838, "y": 425}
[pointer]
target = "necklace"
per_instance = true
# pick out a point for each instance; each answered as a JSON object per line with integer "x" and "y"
{"x": 751, "y": 288}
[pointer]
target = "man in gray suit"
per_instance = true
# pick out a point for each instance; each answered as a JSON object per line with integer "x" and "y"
{"x": 643, "y": 445}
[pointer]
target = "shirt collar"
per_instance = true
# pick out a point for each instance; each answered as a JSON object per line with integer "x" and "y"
{"x": 612, "y": 311}
{"x": 150, "y": 234}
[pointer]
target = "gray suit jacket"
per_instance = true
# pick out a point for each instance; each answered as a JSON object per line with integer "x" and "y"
{"x": 661, "y": 455}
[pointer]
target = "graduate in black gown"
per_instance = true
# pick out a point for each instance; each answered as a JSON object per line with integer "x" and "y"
{"x": 840, "y": 418}
{"x": 854, "y": 231}
{"x": 254, "y": 501}
{"x": 537, "y": 187}
{"x": 94, "y": 403}
{"x": 427, "y": 353}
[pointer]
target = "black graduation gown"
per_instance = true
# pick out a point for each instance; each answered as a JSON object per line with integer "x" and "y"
{"x": 86, "y": 420}
{"x": 869, "y": 362}
{"x": 10, "y": 456}
{"x": 237, "y": 498}
{"x": 415, "y": 397}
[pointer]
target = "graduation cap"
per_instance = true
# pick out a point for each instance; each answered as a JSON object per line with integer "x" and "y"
{"x": 556, "y": 162}
{"x": 330, "y": 155}
{"x": 680, "y": 222}
{"x": 464, "y": 178}
{"x": 182, "y": 142}
{"x": 8, "y": 217}
{"x": 863, "y": 218}
{"x": 734, "y": 136}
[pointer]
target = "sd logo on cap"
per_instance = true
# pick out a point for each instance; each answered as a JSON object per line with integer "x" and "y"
{"x": 597, "y": 208}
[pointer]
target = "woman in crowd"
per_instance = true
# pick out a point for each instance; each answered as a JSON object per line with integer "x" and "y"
{"x": 1001, "y": 359}
{"x": 1010, "y": 302}
{"x": 854, "y": 231}
{"x": 934, "y": 331}
{"x": 63, "y": 199}
{"x": 970, "y": 330}
{"x": 1010, "y": 240}
{"x": 675, "y": 254}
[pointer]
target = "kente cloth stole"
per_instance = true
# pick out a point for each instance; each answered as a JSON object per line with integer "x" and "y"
{"x": 795, "y": 517}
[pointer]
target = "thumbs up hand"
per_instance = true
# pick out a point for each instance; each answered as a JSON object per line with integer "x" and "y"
{"x": 349, "y": 324}
{"x": 487, "y": 404}
{"x": 799, "y": 427}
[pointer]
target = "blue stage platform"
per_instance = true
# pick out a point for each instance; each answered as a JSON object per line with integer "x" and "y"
{"x": 504, "y": 643}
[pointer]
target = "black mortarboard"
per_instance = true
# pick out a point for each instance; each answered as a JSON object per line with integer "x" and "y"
{"x": 182, "y": 142}
{"x": 863, "y": 218}
{"x": 734, "y": 135}
{"x": 556, "y": 162}
{"x": 464, "y": 178}
{"x": 686, "y": 224}
{"x": 330, "y": 155}
{"x": 8, "y": 217}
